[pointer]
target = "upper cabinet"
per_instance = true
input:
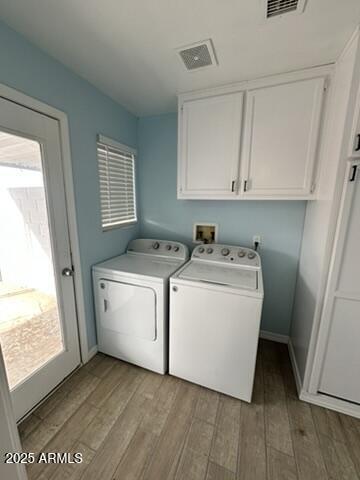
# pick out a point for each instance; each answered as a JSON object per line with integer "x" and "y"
{"x": 280, "y": 138}
{"x": 210, "y": 145}
{"x": 254, "y": 141}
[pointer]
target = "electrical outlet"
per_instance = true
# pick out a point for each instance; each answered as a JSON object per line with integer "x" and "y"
{"x": 256, "y": 240}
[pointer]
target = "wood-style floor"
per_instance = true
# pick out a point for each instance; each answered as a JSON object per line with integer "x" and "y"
{"x": 133, "y": 424}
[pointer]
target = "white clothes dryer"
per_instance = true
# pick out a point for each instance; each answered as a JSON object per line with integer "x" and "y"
{"x": 215, "y": 309}
{"x": 131, "y": 302}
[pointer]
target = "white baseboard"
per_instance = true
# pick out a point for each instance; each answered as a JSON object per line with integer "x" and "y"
{"x": 274, "y": 337}
{"x": 91, "y": 353}
{"x": 318, "y": 398}
{"x": 295, "y": 367}
{"x": 331, "y": 403}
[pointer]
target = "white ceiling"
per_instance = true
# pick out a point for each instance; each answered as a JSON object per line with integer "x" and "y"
{"x": 126, "y": 47}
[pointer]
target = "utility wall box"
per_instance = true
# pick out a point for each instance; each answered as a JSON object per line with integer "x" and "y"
{"x": 205, "y": 233}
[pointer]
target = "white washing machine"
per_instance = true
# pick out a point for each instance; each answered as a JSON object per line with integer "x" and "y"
{"x": 215, "y": 309}
{"x": 131, "y": 302}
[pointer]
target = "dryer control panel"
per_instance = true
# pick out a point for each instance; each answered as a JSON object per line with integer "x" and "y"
{"x": 227, "y": 254}
{"x": 161, "y": 248}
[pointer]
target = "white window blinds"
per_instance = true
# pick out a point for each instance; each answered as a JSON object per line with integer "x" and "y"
{"x": 116, "y": 164}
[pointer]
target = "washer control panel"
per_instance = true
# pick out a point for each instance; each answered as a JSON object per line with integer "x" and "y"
{"x": 161, "y": 248}
{"x": 227, "y": 254}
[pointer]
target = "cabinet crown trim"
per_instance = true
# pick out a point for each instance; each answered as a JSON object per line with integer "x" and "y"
{"x": 261, "y": 82}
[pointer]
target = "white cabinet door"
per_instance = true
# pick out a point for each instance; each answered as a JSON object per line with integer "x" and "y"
{"x": 341, "y": 368}
{"x": 280, "y": 139}
{"x": 209, "y": 146}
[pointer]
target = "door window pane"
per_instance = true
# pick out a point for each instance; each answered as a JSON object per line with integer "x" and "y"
{"x": 30, "y": 328}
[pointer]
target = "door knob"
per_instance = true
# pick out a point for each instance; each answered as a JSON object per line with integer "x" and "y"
{"x": 68, "y": 272}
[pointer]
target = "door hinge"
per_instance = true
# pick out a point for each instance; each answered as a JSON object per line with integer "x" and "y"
{"x": 353, "y": 173}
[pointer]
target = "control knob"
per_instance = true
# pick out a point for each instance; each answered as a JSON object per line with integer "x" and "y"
{"x": 201, "y": 250}
{"x": 241, "y": 253}
{"x": 176, "y": 248}
{"x": 168, "y": 247}
{"x": 225, "y": 252}
{"x": 209, "y": 250}
{"x": 251, "y": 255}
{"x": 156, "y": 245}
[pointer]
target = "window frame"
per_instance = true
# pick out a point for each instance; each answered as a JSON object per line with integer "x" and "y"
{"x": 108, "y": 142}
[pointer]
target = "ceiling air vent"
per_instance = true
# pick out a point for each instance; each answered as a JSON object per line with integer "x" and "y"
{"x": 198, "y": 55}
{"x": 274, "y": 8}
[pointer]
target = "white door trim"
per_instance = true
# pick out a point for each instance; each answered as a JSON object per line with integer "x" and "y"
{"x": 320, "y": 399}
{"x": 40, "y": 107}
{"x": 336, "y": 254}
{"x": 325, "y": 401}
{"x": 9, "y": 435}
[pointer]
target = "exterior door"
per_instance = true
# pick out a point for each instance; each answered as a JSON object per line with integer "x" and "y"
{"x": 341, "y": 367}
{"x": 38, "y": 324}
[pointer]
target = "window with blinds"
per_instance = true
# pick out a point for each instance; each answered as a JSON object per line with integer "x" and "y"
{"x": 116, "y": 164}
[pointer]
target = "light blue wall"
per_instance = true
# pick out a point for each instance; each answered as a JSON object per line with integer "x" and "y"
{"x": 279, "y": 223}
{"x": 26, "y": 68}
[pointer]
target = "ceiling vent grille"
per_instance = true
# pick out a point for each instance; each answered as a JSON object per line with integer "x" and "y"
{"x": 198, "y": 55}
{"x": 275, "y": 8}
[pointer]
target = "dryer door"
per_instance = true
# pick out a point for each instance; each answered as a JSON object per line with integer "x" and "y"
{"x": 127, "y": 309}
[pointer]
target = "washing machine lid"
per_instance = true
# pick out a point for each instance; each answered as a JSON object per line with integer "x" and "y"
{"x": 220, "y": 275}
{"x": 139, "y": 264}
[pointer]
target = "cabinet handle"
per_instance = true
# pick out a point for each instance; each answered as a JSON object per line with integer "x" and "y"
{"x": 353, "y": 173}
{"x": 357, "y": 148}
{"x": 233, "y": 186}
{"x": 245, "y": 185}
